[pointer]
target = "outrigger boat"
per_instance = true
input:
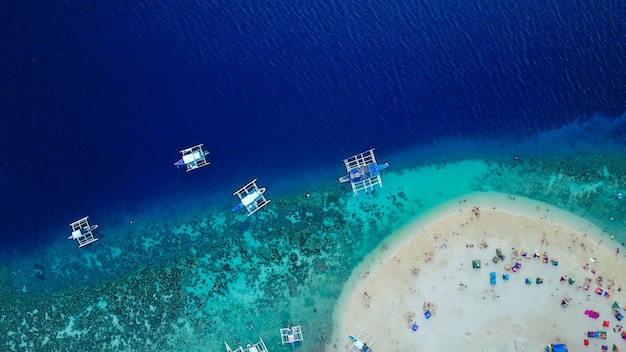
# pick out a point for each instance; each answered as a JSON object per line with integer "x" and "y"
{"x": 193, "y": 158}
{"x": 250, "y": 347}
{"x": 291, "y": 335}
{"x": 252, "y": 197}
{"x": 362, "y": 342}
{"x": 363, "y": 172}
{"x": 82, "y": 232}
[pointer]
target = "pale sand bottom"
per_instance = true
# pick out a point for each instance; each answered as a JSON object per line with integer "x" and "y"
{"x": 470, "y": 314}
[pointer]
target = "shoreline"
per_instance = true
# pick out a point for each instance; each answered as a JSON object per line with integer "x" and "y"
{"x": 394, "y": 281}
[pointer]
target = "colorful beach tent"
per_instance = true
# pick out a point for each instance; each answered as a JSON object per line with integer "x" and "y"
{"x": 591, "y": 314}
{"x": 559, "y": 348}
{"x": 616, "y": 305}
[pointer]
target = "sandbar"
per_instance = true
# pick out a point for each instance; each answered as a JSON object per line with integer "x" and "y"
{"x": 563, "y": 272}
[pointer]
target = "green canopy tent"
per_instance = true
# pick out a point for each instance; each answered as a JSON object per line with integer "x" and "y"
{"x": 476, "y": 264}
{"x": 616, "y": 305}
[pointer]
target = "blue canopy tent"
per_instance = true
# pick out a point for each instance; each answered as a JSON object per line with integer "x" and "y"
{"x": 559, "y": 348}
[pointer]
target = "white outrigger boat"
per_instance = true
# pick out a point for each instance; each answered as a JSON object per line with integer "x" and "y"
{"x": 363, "y": 172}
{"x": 362, "y": 342}
{"x": 193, "y": 158}
{"x": 250, "y": 347}
{"x": 251, "y": 197}
{"x": 82, "y": 232}
{"x": 291, "y": 335}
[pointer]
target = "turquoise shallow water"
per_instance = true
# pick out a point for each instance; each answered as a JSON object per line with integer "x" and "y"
{"x": 185, "y": 276}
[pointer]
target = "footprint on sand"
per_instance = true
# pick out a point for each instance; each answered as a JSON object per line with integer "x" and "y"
{"x": 517, "y": 329}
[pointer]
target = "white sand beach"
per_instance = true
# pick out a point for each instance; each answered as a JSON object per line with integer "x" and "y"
{"x": 430, "y": 268}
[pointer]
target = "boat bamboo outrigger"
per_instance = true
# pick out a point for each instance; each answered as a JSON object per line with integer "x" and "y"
{"x": 82, "y": 232}
{"x": 363, "y": 172}
{"x": 252, "y": 197}
{"x": 193, "y": 158}
{"x": 291, "y": 334}
{"x": 250, "y": 347}
{"x": 362, "y": 342}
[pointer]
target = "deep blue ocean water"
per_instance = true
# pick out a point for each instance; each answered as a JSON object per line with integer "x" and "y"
{"x": 97, "y": 98}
